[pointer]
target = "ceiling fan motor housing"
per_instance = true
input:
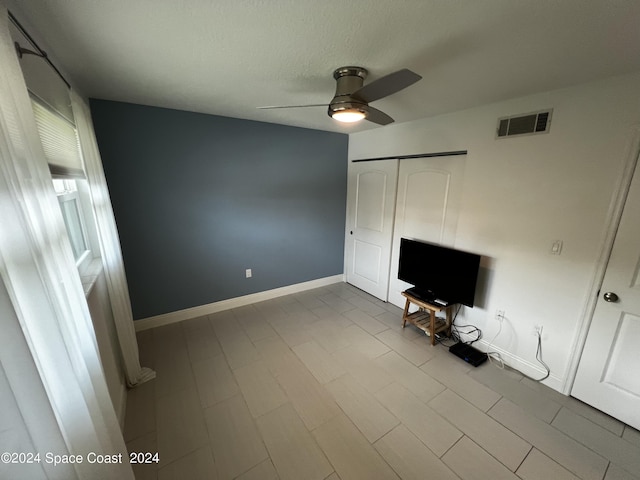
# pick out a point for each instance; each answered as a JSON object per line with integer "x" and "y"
{"x": 348, "y": 81}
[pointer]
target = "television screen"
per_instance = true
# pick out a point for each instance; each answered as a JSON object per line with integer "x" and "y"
{"x": 439, "y": 272}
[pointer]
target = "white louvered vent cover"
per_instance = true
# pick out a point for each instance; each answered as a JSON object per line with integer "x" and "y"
{"x": 528, "y": 124}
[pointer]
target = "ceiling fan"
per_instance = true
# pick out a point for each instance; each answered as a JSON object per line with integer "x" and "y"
{"x": 351, "y": 100}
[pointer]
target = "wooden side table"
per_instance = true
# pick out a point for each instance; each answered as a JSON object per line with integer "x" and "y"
{"x": 425, "y": 318}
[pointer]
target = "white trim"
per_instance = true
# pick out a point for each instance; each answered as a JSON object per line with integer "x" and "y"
{"x": 614, "y": 215}
{"x": 199, "y": 311}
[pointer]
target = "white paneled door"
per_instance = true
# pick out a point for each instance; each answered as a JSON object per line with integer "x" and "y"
{"x": 371, "y": 197}
{"x": 608, "y": 374}
{"x": 427, "y": 207}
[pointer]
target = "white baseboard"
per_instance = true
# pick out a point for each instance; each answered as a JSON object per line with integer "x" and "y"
{"x": 201, "y": 310}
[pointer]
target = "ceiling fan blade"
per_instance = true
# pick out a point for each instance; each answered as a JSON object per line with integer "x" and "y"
{"x": 271, "y": 107}
{"x": 376, "y": 116}
{"x": 387, "y": 85}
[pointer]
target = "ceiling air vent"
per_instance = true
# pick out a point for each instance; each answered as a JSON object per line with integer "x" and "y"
{"x": 529, "y": 124}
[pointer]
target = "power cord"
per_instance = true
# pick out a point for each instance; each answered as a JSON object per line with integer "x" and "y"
{"x": 496, "y": 357}
{"x": 456, "y": 332}
{"x": 539, "y": 358}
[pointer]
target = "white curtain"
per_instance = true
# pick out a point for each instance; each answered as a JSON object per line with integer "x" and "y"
{"x": 109, "y": 245}
{"x": 39, "y": 273}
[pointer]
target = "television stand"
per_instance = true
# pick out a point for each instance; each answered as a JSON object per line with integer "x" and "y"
{"x": 425, "y": 318}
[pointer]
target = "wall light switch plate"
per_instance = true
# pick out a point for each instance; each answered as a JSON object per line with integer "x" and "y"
{"x": 248, "y": 273}
{"x": 556, "y": 247}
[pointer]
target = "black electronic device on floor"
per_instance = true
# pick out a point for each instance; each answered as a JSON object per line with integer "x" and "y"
{"x": 468, "y": 353}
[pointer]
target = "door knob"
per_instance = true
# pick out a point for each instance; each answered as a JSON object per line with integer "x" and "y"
{"x": 610, "y": 297}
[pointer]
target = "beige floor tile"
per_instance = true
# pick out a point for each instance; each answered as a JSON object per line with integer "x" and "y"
{"x": 596, "y": 416}
{"x": 312, "y": 402}
{"x": 538, "y": 466}
{"x": 272, "y": 347}
{"x": 291, "y": 330}
{"x": 323, "y": 311}
{"x": 416, "y": 354}
{"x": 169, "y": 338}
{"x": 225, "y": 325}
{"x": 173, "y": 373}
{"x": 599, "y": 439}
{"x": 294, "y": 308}
{"x": 350, "y": 453}
{"x": 393, "y": 320}
{"x": 293, "y": 451}
{"x": 582, "y": 409}
{"x": 260, "y": 390}
{"x": 631, "y": 435}
{"x": 426, "y": 424}
{"x": 262, "y": 471}
{"x": 366, "y": 305}
{"x": 146, "y": 348}
{"x": 202, "y": 342}
{"x": 319, "y": 362}
{"x": 482, "y": 429}
{"x": 614, "y": 472}
{"x": 235, "y": 441}
{"x": 328, "y": 335}
{"x": 470, "y": 462}
{"x": 410, "y": 376}
{"x": 181, "y": 428}
{"x": 365, "y": 321}
{"x": 367, "y": 373}
{"x": 508, "y": 384}
{"x": 173, "y": 366}
{"x": 370, "y": 375}
{"x": 362, "y": 408}
{"x": 459, "y": 381}
{"x": 410, "y": 458}
{"x": 573, "y": 456}
{"x": 140, "y": 411}
{"x": 214, "y": 380}
{"x": 310, "y": 299}
{"x": 195, "y": 466}
{"x": 366, "y": 344}
{"x": 336, "y": 303}
{"x": 239, "y": 351}
{"x": 256, "y": 327}
{"x": 144, "y": 444}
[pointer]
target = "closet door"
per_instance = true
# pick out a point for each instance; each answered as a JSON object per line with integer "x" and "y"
{"x": 371, "y": 198}
{"x": 428, "y": 203}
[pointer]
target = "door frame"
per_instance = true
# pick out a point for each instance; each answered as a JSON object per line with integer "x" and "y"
{"x": 614, "y": 216}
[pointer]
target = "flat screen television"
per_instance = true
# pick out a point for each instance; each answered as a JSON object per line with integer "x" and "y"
{"x": 439, "y": 272}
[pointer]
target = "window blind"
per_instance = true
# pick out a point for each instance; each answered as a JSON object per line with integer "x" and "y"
{"x": 59, "y": 141}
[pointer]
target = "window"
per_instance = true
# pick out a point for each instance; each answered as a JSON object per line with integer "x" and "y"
{"x": 67, "y": 192}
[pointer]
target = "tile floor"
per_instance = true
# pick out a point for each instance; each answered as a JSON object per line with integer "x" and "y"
{"x": 325, "y": 384}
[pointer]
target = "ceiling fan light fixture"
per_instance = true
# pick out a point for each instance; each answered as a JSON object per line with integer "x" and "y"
{"x": 348, "y": 113}
{"x": 348, "y": 116}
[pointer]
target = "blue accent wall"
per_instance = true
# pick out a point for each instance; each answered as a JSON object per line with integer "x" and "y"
{"x": 200, "y": 198}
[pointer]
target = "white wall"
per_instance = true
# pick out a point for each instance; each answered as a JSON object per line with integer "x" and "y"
{"x": 522, "y": 193}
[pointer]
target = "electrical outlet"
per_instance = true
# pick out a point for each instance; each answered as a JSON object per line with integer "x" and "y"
{"x": 500, "y": 315}
{"x": 248, "y": 273}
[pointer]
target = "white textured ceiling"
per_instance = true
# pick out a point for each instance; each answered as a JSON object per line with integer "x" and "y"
{"x": 226, "y": 57}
